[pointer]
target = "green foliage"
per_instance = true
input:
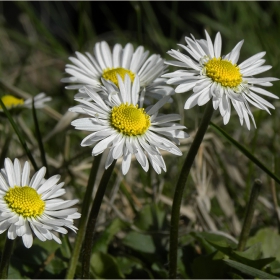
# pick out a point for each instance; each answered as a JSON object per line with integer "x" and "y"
{"x": 105, "y": 266}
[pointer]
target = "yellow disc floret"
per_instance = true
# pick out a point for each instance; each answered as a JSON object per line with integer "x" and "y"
{"x": 111, "y": 74}
{"x": 223, "y": 72}
{"x": 130, "y": 120}
{"x": 11, "y": 101}
{"x": 25, "y": 201}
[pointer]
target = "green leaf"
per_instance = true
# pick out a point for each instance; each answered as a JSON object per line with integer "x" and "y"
{"x": 209, "y": 267}
{"x": 161, "y": 271}
{"x": 251, "y": 257}
{"x": 274, "y": 268}
{"x": 14, "y": 273}
{"x": 212, "y": 241}
{"x": 55, "y": 266}
{"x": 105, "y": 266}
{"x": 101, "y": 245}
{"x": 140, "y": 242}
{"x": 31, "y": 262}
{"x": 221, "y": 246}
{"x": 151, "y": 217}
{"x": 126, "y": 264}
{"x": 133, "y": 268}
{"x": 209, "y": 248}
{"x": 235, "y": 275}
{"x": 269, "y": 240}
{"x": 64, "y": 251}
{"x": 249, "y": 270}
{"x": 243, "y": 150}
{"x": 253, "y": 253}
{"x": 185, "y": 257}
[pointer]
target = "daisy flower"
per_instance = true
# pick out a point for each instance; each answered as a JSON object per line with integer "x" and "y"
{"x": 13, "y": 103}
{"x": 32, "y": 205}
{"x": 120, "y": 124}
{"x": 216, "y": 77}
{"x": 87, "y": 70}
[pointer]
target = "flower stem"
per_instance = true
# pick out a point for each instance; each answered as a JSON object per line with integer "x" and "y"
{"x": 19, "y": 134}
{"x": 175, "y": 212}
{"x": 39, "y": 138}
{"x": 84, "y": 215}
{"x": 5, "y": 260}
{"x": 249, "y": 215}
{"x": 88, "y": 243}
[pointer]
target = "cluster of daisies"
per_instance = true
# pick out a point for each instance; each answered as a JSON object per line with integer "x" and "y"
{"x": 120, "y": 93}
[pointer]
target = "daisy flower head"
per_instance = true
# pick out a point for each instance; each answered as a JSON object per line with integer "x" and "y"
{"x": 28, "y": 206}
{"x": 16, "y": 104}
{"x": 216, "y": 77}
{"x": 122, "y": 125}
{"x": 88, "y": 70}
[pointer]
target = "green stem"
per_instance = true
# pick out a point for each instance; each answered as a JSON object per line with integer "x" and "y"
{"x": 20, "y": 137}
{"x": 5, "y": 260}
{"x": 88, "y": 243}
{"x": 84, "y": 215}
{"x": 39, "y": 138}
{"x": 249, "y": 215}
{"x": 175, "y": 212}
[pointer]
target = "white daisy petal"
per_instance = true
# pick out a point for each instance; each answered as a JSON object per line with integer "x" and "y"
{"x": 23, "y": 209}
{"x": 126, "y": 163}
{"x": 263, "y": 92}
{"x": 234, "y": 54}
{"x": 37, "y": 232}
{"x": 210, "y": 45}
{"x": 37, "y": 178}
{"x": 48, "y": 184}
{"x": 10, "y": 172}
{"x": 251, "y": 60}
{"x": 125, "y": 135}
{"x": 218, "y": 77}
{"x": 117, "y": 55}
{"x": 17, "y": 169}
{"x": 25, "y": 174}
{"x": 218, "y": 45}
{"x": 106, "y": 64}
{"x": 106, "y": 54}
{"x": 12, "y": 232}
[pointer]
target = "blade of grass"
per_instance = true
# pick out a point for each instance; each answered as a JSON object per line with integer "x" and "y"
{"x": 39, "y": 138}
{"x": 138, "y": 11}
{"x": 26, "y": 7}
{"x": 253, "y": 145}
{"x": 20, "y": 136}
{"x": 153, "y": 28}
{"x": 250, "y": 270}
{"x": 244, "y": 151}
{"x": 5, "y": 148}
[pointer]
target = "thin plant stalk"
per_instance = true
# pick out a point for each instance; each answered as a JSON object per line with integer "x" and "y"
{"x": 6, "y": 256}
{"x": 20, "y": 137}
{"x": 84, "y": 215}
{"x": 176, "y": 205}
{"x": 249, "y": 215}
{"x": 39, "y": 138}
{"x": 88, "y": 242}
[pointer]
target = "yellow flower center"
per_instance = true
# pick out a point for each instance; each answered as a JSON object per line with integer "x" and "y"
{"x": 130, "y": 120}
{"x": 25, "y": 201}
{"x": 111, "y": 74}
{"x": 11, "y": 101}
{"x": 223, "y": 72}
